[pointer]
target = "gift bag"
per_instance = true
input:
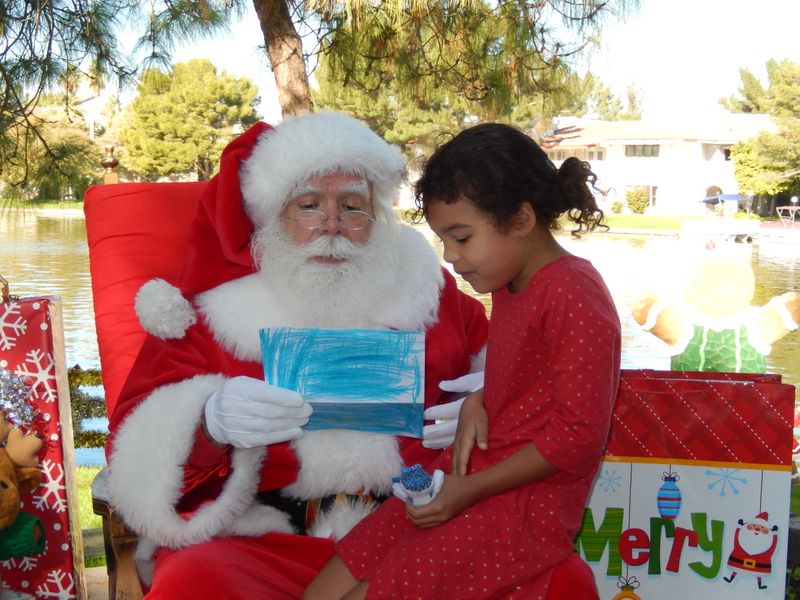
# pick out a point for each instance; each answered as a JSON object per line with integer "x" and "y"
{"x": 42, "y": 551}
{"x": 692, "y": 495}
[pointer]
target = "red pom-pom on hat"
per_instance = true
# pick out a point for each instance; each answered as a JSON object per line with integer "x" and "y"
{"x": 219, "y": 240}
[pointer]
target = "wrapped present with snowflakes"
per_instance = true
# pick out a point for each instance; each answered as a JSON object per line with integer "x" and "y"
{"x": 41, "y": 551}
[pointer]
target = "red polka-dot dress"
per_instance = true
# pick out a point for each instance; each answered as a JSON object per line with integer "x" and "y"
{"x": 552, "y": 370}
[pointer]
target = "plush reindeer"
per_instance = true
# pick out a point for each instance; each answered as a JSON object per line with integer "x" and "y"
{"x": 21, "y": 534}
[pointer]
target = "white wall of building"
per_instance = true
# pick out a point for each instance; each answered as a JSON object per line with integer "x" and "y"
{"x": 691, "y": 158}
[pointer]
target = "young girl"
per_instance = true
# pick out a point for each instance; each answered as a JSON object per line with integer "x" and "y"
{"x": 508, "y": 513}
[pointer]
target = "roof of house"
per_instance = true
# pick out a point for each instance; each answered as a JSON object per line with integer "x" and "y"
{"x": 718, "y": 128}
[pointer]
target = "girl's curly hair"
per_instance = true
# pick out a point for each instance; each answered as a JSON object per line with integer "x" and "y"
{"x": 498, "y": 168}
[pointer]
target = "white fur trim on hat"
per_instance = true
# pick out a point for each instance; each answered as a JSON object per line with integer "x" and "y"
{"x": 312, "y": 145}
{"x": 163, "y": 311}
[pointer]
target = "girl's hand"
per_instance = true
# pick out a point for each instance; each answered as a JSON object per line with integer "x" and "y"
{"x": 455, "y": 496}
{"x": 473, "y": 428}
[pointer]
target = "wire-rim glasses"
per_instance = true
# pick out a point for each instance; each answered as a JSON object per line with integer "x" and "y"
{"x": 352, "y": 220}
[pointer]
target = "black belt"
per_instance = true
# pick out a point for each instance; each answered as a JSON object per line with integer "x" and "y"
{"x": 749, "y": 563}
{"x": 296, "y": 509}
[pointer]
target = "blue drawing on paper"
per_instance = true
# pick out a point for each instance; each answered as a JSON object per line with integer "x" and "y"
{"x": 363, "y": 379}
{"x": 609, "y": 480}
{"x": 725, "y": 478}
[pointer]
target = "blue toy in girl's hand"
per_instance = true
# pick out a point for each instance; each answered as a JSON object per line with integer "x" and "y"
{"x": 416, "y": 486}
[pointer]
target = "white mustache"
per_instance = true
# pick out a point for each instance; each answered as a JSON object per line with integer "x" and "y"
{"x": 333, "y": 246}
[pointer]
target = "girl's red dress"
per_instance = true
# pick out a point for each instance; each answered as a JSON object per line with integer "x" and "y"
{"x": 552, "y": 370}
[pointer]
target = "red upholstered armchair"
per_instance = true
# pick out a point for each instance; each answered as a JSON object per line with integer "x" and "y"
{"x": 135, "y": 232}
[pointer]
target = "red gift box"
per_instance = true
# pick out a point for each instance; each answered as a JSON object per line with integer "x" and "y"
{"x": 683, "y": 415}
{"x": 32, "y": 348}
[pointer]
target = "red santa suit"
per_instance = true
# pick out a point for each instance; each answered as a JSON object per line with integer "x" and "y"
{"x": 224, "y": 520}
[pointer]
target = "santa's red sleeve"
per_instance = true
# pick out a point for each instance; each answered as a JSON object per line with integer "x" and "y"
{"x": 162, "y": 362}
{"x": 154, "y": 437}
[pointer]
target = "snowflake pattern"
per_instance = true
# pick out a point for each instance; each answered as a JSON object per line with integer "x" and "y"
{"x": 39, "y": 368}
{"x": 609, "y": 480}
{"x": 23, "y": 563}
{"x": 53, "y": 494}
{"x": 11, "y": 328}
{"x": 28, "y": 349}
{"x": 28, "y": 563}
{"x": 725, "y": 478}
{"x": 59, "y": 584}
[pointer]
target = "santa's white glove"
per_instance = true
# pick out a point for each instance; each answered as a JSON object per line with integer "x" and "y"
{"x": 442, "y": 433}
{"x": 246, "y": 412}
{"x": 466, "y": 384}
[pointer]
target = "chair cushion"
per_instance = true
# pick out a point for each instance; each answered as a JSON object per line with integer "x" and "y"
{"x": 135, "y": 232}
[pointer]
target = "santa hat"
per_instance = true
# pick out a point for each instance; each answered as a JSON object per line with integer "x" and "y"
{"x": 762, "y": 518}
{"x": 313, "y": 145}
{"x": 258, "y": 172}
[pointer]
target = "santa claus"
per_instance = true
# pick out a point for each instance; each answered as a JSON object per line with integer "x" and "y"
{"x": 209, "y": 464}
{"x": 754, "y": 544}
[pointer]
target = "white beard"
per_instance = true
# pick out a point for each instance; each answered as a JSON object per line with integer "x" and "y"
{"x": 754, "y": 543}
{"x": 342, "y": 295}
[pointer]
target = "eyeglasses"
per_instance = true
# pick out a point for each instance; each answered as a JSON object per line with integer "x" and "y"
{"x": 352, "y": 220}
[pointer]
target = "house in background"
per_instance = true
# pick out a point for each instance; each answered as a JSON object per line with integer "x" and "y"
{"x": 677, "y": 162}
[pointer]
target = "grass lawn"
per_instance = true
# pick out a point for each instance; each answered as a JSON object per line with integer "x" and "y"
{"x": 793, "y": 569}
{"x": 654, "y": 223}
{"x": 36, "y": 204}
{"x": 651, "y": 222}
{"x": 89, "y": 520}
{"x": 657, "y": 222}
{"x": 794, "y": 500}
{"x": 85, "y": 476}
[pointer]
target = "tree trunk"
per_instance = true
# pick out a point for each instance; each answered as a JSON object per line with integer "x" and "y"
{"x": 204, "y": 168}
{"x": 285, "y": 52}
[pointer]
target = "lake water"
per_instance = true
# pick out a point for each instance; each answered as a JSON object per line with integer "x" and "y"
{"x": 634, "y": 264}
{"x": 47, "y": 255}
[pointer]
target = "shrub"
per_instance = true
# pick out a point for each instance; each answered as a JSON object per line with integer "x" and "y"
{"x": 85, "y": 406}
{"x": 638, "y": 199}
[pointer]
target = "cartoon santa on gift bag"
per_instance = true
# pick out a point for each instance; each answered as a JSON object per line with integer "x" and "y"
{"x": 754, "y": 544}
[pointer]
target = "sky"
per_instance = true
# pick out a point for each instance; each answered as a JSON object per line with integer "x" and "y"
{"x": 681, "y": 55}
{"x": 684, "y": 55}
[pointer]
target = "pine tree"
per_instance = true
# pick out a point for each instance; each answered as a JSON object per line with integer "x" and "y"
{"x": 769, "y": 163}
{"x": 181, "y": 120}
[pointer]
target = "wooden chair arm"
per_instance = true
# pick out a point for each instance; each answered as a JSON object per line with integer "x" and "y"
{"x": 120, "y": 544}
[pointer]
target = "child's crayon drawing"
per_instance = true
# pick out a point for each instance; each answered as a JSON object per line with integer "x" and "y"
{"x": 363, "y": 379}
